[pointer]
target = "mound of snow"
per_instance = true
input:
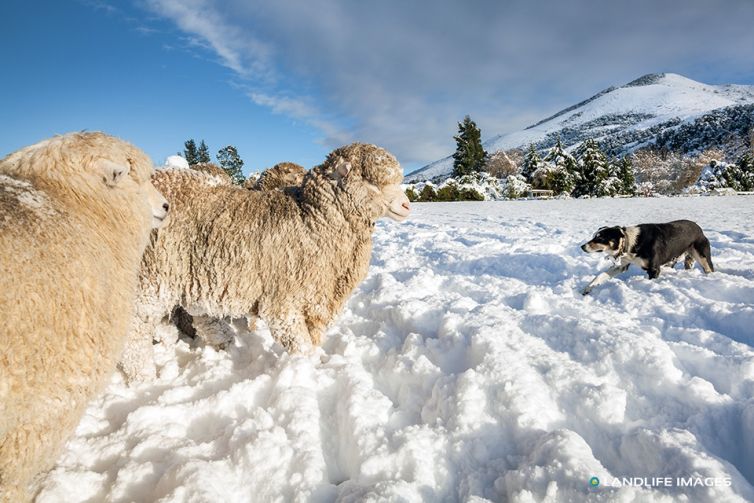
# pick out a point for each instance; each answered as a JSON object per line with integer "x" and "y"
{"x": 176, "y": 161}
{"x": 466, "y": 367}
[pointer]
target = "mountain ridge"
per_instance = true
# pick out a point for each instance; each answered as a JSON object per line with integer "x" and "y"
{"x": 651, "y": 108}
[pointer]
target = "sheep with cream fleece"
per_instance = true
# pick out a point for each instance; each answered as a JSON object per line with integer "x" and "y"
{"x": 280, "y": 176}
{"x": 76, "y": 212}
{"x": 291, "y": 258}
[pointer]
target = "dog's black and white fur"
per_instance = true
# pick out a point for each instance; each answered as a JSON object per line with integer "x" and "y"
{"x": 650, "y": 246}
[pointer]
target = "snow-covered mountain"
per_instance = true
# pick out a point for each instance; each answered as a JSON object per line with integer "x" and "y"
{"x": 665, "y": 108}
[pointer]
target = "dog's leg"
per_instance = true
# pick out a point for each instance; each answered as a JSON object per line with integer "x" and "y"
{"x": 703, "y": 254}
{"x": 604, "y": 276}
{"x": 688, "y": 262}
{"x": 653, "y": 271}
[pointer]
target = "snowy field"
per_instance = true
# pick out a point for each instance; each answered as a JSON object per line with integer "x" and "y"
{"x": 466, "y": 367}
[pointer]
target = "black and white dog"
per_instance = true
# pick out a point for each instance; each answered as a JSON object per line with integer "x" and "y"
{"x": 650, "y": 246}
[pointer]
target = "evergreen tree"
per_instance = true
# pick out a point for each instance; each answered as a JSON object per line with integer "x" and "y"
{"x": 202, "y": 155}
{"x": 625, "y": 173}
{"x": 564, "y": 169}
{"x": 593, "y": 170}
{"x": 190, "y": 153}
{"x": 532, "y": 162}
{"x": 231, "y": 162}
{"x": 470, "y": 156}
{"x": 746, "y": 172}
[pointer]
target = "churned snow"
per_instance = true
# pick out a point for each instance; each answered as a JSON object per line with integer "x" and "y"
{"x": 467, "y": 366}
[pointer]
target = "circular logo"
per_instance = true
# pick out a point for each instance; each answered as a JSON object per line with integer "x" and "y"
{"x": 594, "y": 482}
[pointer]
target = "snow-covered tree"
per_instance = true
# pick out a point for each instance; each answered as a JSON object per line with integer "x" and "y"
{"x": 231, "y": 162}
{"x": 469, "y": 156}
{"x": 189, "y": 152}
{"x": 563, "y": 172}
{"x": 625, "y": 173}
{"x": 532, "y": 162}
{"x": 593, "y": 171}
{"x": 516, "y": 187}
{"x": 202, "y": 154}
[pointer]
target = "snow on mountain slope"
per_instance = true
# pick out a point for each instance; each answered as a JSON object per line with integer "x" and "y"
{"x": 466, "y": 367}
{"x": 651, "y": 104}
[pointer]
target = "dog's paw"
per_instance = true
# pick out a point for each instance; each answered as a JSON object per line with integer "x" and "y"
{"x": 586, "y": 291}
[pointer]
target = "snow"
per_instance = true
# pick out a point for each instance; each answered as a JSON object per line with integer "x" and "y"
{"x": 667, "y": 97}
{"x": 466, "y": 367}
{"x": 176, "y": 161}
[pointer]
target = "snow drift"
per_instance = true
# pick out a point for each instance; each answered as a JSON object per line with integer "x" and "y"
{"x": 467, "y": 366}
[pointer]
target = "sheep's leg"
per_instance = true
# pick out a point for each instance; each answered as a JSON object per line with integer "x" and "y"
{"x": 291, "y": 331}
{"x": 251, "y": 322}
{"x": 213, "y": 331}
{"x": 137, "y": 360}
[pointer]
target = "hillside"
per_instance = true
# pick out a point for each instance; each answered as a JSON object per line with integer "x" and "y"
{"x": 666, "y": 108}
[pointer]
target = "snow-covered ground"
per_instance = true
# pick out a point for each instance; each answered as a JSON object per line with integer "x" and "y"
{"x": 466, "y": 366}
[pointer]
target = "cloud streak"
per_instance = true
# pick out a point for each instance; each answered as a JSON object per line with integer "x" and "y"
{"x": 402, "y": 73}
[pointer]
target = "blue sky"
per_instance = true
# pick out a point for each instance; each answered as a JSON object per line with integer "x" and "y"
{"x": 290, "y": 80}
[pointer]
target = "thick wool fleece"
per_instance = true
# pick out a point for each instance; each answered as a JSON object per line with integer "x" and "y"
{"x": 71, "y": 246}
{"x": 292, "y": 258}
{"x": 215, "y": 173}
{"x": 280, "y": 176}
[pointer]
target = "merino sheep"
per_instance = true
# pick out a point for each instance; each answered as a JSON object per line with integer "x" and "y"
{"x": 280, "y": 176}
{"x": 75, "y": 216}
{"x": 292, "y": 259}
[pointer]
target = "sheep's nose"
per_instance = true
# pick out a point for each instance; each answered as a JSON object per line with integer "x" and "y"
{"x": 165, "y": 206}
{"x": 407, "y": 206}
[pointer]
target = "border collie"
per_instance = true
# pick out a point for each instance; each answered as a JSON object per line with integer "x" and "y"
{"x": 650, "y": 246}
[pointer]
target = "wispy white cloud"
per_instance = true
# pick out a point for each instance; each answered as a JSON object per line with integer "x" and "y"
{"x": 401, "y": 74}
{"x": 236, "y": 48}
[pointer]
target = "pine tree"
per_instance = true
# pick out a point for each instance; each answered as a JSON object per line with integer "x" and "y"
{"x": 746, "y": 172}
{"x": 470, "y": 156}
{"x": 564, "y": 169}
{"x": 625, "y": 173}
{"x": 231, "y": 162}
{"x": 532, "y": 162}
{"x": 190, "y": 153}
{"x": 202, "y": 155}
{"x": 593, "y": 170}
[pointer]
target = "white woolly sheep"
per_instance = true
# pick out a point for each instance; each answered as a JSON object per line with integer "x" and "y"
{"x": 292, "y": 258}
{"x": 280, "y": 176}
{"x": 76, "y": 212}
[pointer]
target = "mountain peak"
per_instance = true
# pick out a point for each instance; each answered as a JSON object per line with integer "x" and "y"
{"x": 628, "y": 117}
{"x": 646, "y": 80}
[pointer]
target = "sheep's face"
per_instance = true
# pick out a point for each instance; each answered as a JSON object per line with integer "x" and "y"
{"x": 398, "y": 206}
{"x": 386, "y": 200}
{"x": 94, "y": 166}
{"x": 130, "y": 176}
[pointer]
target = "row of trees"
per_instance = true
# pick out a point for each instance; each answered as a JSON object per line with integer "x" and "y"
{"x": 587, "y": 173}
{"x": 227, "y": 158}
{"x": 590, "y": 172}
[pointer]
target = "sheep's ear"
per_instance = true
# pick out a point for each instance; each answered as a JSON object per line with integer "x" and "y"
{"x": 112, "y": 172}
{"x": 342, "y": 168}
